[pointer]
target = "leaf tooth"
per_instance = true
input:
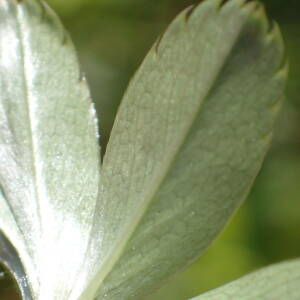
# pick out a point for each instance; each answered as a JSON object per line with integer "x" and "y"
{"x": 47, "y": 15}
{"x": 275, "y": 39}
{"x": 241, "y": 3}
{"x": 253, "y": 3}
{"x": 44, "y": 9}
{"x": 259, "y": 14}
{"x": 282, "y": 71}
{"x": 157, "y": 43}
{"x": 223, "y": 3}
{"x": 271, "y": 36}
{"x": 267, "y": 138}
{"x": 66, "y": 39}
{"x": 185, "y": 16}
{"x": 190, "y": 10}
{"x": 280, "y": 75}
{"x": 275, "y": 108}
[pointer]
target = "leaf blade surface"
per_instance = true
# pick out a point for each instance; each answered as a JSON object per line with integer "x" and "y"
{"x": 187, "y": 143}
{"x": 278, "y": 281}
{"x": 49, "y": 153}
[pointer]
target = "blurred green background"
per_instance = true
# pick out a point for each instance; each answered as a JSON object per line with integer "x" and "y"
{"x": 112, "y": 37}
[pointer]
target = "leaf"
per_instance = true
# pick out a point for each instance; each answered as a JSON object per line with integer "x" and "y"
{"x": 188, "y": 141}
{"x": 49, "y": 156}
{"x": 279, "y": 281}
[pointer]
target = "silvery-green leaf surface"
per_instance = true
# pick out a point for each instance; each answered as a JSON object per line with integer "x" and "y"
{"x": 49, "y": 154}
{"x": 188, "y": 141}
{"x": 276, "y": 282}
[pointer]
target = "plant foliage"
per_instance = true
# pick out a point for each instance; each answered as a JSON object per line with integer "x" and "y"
{"x": 187, "y": 143}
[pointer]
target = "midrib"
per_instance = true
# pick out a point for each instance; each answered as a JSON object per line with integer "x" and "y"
{"x": 29, "y": 113}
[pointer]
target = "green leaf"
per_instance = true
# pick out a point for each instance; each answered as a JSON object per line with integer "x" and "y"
{"x": 49, "y": 153}
{"x": 279, "y": 281}
{"x": 188, "y": 141}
